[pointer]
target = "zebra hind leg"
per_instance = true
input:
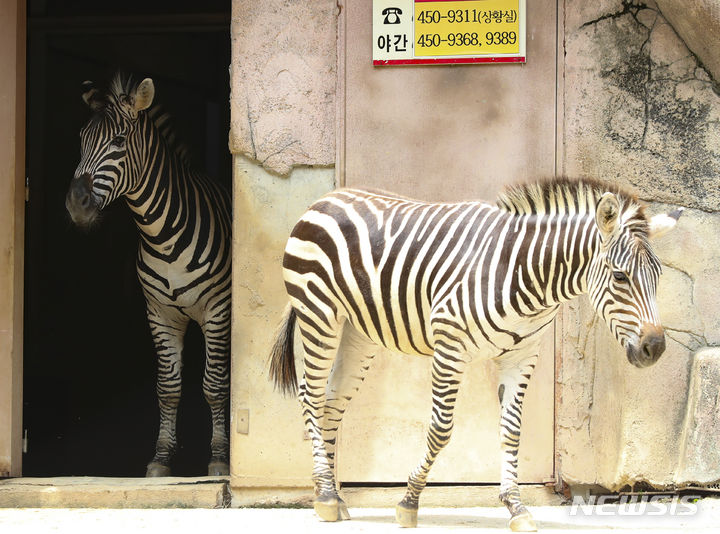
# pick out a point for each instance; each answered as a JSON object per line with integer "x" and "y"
{"x": 320, "y": 346}
{"x": 514, "y": 378}
{"x": 216, "y": 388}
{"x": 168, "y": 337}
{"x": 447, "y": 370}
{"x": 351, "y": 365}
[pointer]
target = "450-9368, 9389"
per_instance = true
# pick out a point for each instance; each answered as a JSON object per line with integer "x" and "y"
{"x": 428, "y": 40}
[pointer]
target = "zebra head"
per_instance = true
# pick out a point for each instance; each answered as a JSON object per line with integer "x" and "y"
{"x": 109, "y": 145}
{"x": 623, "y": 276}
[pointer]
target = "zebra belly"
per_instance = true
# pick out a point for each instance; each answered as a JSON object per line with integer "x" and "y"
{"x": 174, "y": 286}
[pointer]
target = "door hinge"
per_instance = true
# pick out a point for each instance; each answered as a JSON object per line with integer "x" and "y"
{"x": 25, "y": 441}
{"x": 27, "y": 189}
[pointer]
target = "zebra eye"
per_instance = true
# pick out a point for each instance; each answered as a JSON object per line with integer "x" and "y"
{"x": 620, "y": 276}
{"x": 119, "y": 140}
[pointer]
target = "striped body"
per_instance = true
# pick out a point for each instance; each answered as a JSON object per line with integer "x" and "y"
{"x": 183, "y": 262}
{"x": 423, "y": 274}
{"x": 455, "y": 282}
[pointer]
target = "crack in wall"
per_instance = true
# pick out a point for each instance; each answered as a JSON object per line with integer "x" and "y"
{"x": 251, "y": 122}
{"x": 697, "y": 340}
{"x": 660, "y": 105}
{"x": 628, "y": 7}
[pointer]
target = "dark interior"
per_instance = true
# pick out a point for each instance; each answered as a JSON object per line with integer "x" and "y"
{"x": 89, "y": 367}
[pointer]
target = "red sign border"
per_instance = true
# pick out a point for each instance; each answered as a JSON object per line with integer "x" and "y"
{"x": 448, "y": 60}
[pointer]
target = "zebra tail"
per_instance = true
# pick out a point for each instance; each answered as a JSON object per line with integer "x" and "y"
{"x": 282, "y": 355}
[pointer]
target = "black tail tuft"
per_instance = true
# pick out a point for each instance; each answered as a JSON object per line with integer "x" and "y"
{"x": 282, "y": 355}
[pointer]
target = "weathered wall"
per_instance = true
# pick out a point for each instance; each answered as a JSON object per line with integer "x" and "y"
{"x": 449, "y": 133}
{"x": 698, "y": 25}
{"x": 283, "y": 83}
{"x": 446, "y": 133}
{"x": 636, "y": 106}
{"x": 283, "y": 78}
{"x": 267, "y": 445}
{"x": 642, "y": 111}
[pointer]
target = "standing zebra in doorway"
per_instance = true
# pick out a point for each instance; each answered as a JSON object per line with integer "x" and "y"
{"x": 183, "y": 262}
{"x": 455, "y": 282}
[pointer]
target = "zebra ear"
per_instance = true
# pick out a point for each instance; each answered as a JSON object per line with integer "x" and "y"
{"x": 91, "y": 95}
{"x": 662, "y": 223}
{"x": 606, "y": 214}
{"x": 144, "y": 94}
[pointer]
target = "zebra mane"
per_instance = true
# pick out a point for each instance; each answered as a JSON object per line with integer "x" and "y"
{"x": 562, "y": 195}
{"x": 124, "y": 84}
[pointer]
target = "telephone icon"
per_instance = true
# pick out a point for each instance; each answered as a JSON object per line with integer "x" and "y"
{"x": 391, "y": 15}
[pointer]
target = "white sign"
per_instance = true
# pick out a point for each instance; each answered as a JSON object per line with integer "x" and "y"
{"x": 427, "y": 32}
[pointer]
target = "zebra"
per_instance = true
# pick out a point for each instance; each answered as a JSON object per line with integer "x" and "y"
{"x": 183, "y": 218}
{"x": 456, "y": 282}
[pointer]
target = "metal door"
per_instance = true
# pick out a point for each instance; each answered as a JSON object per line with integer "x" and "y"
{"x": 445, "y": 133}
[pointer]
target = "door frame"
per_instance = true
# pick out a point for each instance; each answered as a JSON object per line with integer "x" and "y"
{"x": 12, "y": 232}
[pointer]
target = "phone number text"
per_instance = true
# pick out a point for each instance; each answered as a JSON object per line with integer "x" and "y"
{"x": 434, "y": 40}
{"x": 458, "y": 16}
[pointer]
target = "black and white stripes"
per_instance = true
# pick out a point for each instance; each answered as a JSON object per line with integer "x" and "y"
{"x": 184, "y": 266}
{"x": 456, "y": 281}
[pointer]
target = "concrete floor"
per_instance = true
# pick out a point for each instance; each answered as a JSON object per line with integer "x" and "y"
{"x": 368, "y": 520}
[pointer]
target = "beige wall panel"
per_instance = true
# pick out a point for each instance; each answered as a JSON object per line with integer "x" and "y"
{"x": 449, "y": 132}
{"x": 266, "y": 433}
{"x": 384, "y": 432}
{"x": 446, "y": 133}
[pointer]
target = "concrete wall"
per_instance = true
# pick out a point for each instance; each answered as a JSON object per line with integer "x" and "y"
{"x": 286, "y": 117}
{"x": 635, "y": 106}
{"x": 283, "y": 83}
{"x": 267, "y": 444}
{"x": 283, "y": 78}
{"x": 450, "y": 133}
{"x": 643, "y": 112}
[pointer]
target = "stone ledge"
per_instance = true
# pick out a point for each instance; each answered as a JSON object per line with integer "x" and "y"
{"x": 388, "y": 497}
{"x": 98, "y": 492}
{"x": 699, "y": 458}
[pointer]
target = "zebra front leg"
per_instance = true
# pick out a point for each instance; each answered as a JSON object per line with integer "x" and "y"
{"x": 216, "y": 388}
{"x": 168, "y": 339}
{"x": 446, "y": 373}
{"x": 515, "y": 374}
{"x": 355, "y": 356}
{"x": 320, "y": 346}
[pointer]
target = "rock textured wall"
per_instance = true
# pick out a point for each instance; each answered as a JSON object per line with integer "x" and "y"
{"x": 698, "y": 24}
{"x": 283, "y": 78}
{"x": 641, "y": 110}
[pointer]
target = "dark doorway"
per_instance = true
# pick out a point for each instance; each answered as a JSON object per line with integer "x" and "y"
{"x": 89, "y": 367}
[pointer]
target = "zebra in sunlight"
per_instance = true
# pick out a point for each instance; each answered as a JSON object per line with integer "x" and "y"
{"x": 183, "y": 263}
{"x": 456, "y": 282}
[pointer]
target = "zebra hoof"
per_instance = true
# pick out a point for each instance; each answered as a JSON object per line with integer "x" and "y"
{"x": 218, "y": 469}
{"x": 523, "y": 523}
{"x": 406, "y": 516}
{"x": 331, "y": 509}
{"x": 343, "y": 514}
{"x": 155, "y": 469}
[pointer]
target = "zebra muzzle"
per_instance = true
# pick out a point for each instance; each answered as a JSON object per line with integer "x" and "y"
{"x": 650, "y": 348}
{"x": 79, "y": 200}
